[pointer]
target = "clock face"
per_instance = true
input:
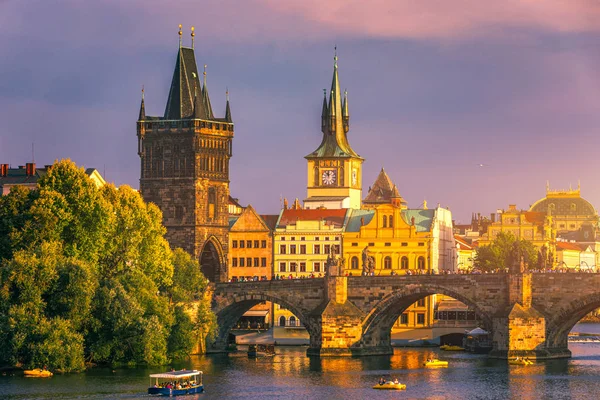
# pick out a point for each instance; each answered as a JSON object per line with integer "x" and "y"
{"x": 354, "y": 177}
{"x": 328, "y": 177}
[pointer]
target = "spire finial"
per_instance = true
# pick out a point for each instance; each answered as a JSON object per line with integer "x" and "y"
{"x": 193, "y": 34}
{"x": 142, "y": 92}
{"x": 204, "y": 73}
{"x": 324, "y": 92}
{"x": 227, "y": 93}
{"x": 335, "y": 57}
{"x": 180, "y": 35}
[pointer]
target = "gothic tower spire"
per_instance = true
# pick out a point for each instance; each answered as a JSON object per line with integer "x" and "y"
{"x": 205, "y": 97}
{"x": 227, "y": 108}
{"x": 142, "y": 115}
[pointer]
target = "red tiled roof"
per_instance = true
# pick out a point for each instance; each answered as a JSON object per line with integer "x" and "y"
{"x": 567, "y": 246}
{"x": 335, "y": 217}
{"x": 462, "y": 243}
{"x": 270, "y": 220}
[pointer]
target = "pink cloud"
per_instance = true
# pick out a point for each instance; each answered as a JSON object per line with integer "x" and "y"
{"x": 442, "y": 18}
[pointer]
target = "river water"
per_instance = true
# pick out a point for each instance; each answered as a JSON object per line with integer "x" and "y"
{"x": 291, "y": 375}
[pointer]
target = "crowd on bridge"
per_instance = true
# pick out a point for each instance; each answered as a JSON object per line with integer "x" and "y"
{"x": 278, "y": 277}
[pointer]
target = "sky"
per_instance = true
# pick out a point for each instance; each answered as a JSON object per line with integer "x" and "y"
{"x": 471, "y": 104}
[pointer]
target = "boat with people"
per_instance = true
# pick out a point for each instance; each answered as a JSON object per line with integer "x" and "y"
{"x": 520, "y": 361}
{"x": 261, "y": 350}
{"x": 435, "y": 363}
{"x": 448, "y": 347}
{"x": 176, "y": 383}
{"x": 38, "y": 372}
{"x": 390, "y": 386}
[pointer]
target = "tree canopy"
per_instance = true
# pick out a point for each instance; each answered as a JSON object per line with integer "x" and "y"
{"x": 504, "y": 252}
{"x": 86, "y": 275}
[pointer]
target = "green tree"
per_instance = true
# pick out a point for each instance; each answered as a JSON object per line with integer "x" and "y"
{"x": 504, "y": 252}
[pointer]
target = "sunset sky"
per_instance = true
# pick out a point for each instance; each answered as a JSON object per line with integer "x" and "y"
{"x": 436, "y": 89}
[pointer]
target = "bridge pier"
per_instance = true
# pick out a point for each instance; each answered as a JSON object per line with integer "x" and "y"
{"x": 341, "y": 325}
{"x": 522, "y": 333}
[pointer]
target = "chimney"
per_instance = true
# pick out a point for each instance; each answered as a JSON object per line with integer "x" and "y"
{"x": 30, "y": 169}
{"x": 3, "y": 169}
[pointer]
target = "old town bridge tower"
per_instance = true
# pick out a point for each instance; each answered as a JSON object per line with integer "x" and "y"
{"x": 185, "y": 166}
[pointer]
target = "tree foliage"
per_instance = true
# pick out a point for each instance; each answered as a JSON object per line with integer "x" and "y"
{"x": 87, "y": 275}
{"x": 505, "y": 251}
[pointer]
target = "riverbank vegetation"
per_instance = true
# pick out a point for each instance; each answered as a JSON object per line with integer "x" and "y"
{"x": 87, "y": 277}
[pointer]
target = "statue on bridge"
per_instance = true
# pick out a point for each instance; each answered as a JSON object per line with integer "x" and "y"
{"x": 517, "y": 259}
{"x": 334, "y": 266}
{"x": 368, "y": 262}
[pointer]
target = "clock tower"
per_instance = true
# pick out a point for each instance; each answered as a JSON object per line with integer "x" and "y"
{"x": 334, "y": 169}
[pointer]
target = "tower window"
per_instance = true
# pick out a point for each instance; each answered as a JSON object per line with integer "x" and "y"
{"x": 387, "y": 262}
{"x": 212, "y": 204}
{"x": 354, "y": 263}
{"x": 391, "y": 221}
{"x": 385, "y": 221}
{"x": 404, "y": 262}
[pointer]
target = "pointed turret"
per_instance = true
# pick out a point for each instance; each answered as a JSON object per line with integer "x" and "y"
{"x": 142, "y": 115}
{"x": 324, "y": 112}
{"x": 384, "y": 191}
{"x": 227, "y": 108}
{"x": 346, "y": 113}
{"x": 199, "y": 111}
{"x": 205, "y": 97}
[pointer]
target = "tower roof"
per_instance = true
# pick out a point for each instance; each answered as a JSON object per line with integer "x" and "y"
{"x": 335, "y": 141}
{"x": 180, "y": 103}
{"x": 383, "y": 191}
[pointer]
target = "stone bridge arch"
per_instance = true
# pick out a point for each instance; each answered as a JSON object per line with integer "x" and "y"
{"x": 230, "y": 304}
{"x": 559, "y": 322}
{"x": 378, "y": 323}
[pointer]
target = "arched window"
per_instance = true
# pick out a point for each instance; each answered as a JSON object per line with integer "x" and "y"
{"x": 282, "y": 321}
{"x": 391, "y": 221}
{"x": 292, "y": 321}
{"x": 354, "y": 263}
{"x": 385, "y": 221}
{"x": 404, "y": 262}
{"x": 212, "y": 204}
{"x": 421, "y": 263}
{"x": 387, "y": 262}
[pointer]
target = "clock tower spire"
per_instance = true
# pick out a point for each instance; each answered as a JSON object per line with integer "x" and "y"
{"x": 334, "y": 168}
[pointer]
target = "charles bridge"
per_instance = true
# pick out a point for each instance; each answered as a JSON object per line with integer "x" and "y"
{"x": 528, "y": 314}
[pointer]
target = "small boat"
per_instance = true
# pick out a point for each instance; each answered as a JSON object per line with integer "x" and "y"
{"x": 38, "y": 372}
{"x": 520, "y": 361}
{"x": 176, "y": 383}
{"x": 390, "y": 386}
{"x": 448, "y": 347}
{"x": 436, "y": 363}
{"x": 261, "y": 350}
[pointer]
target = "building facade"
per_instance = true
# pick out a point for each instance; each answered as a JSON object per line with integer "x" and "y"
{"x": 184, "y": 163}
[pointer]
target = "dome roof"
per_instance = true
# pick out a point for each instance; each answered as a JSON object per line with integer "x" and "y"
{"x": 564, "y": 203}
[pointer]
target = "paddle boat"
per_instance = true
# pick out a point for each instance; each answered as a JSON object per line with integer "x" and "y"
{"x": 38, "y": 372}
{"x": 436, "y": 363}
{"x": 447, "y": 347}
{"x": 520, "y": 361}
{"x": 261, "y": 350}
{"x": 176, "y": 383}
{"x": 390, "y": 386}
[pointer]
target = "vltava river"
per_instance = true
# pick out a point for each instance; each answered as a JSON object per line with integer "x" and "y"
{"x": 291, "y": 375}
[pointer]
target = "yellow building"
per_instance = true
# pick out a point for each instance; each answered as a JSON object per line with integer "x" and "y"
{"x": 250, "y": 257}
{"x": 534, "y": 226}
{"x": 464, "y": 254}
{"x": 399, "y": 241}
{"x": 570, "y": 211}
{"x": 302, "y": 241}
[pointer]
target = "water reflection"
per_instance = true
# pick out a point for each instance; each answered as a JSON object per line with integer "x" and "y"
{"x": 290, "y": 374}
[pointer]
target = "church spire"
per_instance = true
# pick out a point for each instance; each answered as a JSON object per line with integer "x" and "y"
{"x": 205, "y": 97}
{"x": 227, "y": 108}
{"x": 142, "y": 115}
